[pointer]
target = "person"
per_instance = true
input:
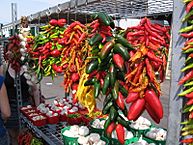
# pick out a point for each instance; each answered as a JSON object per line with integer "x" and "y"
{"x": 30, "y": 95}
{"x": 5, "y": 112}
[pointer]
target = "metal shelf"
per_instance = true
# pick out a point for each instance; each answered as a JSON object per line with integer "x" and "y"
{"x": 50, "y": 133}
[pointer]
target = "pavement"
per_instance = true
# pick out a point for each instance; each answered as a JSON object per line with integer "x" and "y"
{"x": 52, "y": 89}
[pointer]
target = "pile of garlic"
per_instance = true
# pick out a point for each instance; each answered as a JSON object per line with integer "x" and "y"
{"x": 99, "y": 124}
{"x": 142, "y": 142}
{"x": 83, "y": 136}
{"x": 141, "y": 123}
{"x": 157, "y": 134}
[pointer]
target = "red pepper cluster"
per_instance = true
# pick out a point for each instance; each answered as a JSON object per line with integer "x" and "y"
{"x": 12, "y": 54}
{"x": 25, "y": 139}
{"x": 45, "y": 49}
{"x": 154, "y": 36}
{"x": 151, "y": 42}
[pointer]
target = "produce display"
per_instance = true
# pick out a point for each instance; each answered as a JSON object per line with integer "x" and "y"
{"x": 99, "y": 60}
{"x": 186, "y": 81}
{"x": 83, "y": 136}
{"x": 156, "y": 134}
{"x": 27, "y": 138}
{"x": 141, "y": 123}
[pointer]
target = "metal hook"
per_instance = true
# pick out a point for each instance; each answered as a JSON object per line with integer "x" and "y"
{"x": 48, "y": 13}
{"x": 58, "y": 10}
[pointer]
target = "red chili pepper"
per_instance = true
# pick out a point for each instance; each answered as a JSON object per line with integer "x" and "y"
{"x": 101, "y": 82}
{"x": 61, "y": 22}
{"x": 120, "y": 133}
{"x": 155, "y": 65}
{"x": 82, "y": 37}
{"x": 152, "y": 113}
{"x": 75, "y": 77}
{"x": 135, "y": 109}
{"x": 151, "y": 27}
{"x": 155, "y": 40}
{"x": 191, "y": 115}
{"x": 110, "y": 129}
{"x": 168, "y": 36}
{"x": 137, "y": 33}
{"x": 187, "y": 42}
{"x": 119, "y": 61}
{"x": 132, "y": 96}
{"x": 187, "y": 35}
{"x": 152, "y": 57}
{"x": 159, "y": 27}
{"x": 139, "y": 70}
{"x": 152, "y": 33}
{"x": 190, "y": 55}
{"x": 190, "y": 102}
{"x": 104, "y": 37}
{"x": 143, "y": 21}
{"x": 55, "y": 53}
{"x": 154, "y": 103}
{"x": 162, "y": 74}
{"x": 189, "y": 6}
{"x": 107, "y": 33}
{"x": 150, "y": 71}
{"x": 187, "y": 77}
{"x": 188, "y": 140}
{"x": 190, "y": 95}
{"x": 57, "y": 69}
{"x": 53, "y": 22}
{"x": 120, "y": 101}
{"x": 92, "y": 74}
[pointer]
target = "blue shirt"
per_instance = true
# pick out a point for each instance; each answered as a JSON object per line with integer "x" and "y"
{"x": 2, "y": 128}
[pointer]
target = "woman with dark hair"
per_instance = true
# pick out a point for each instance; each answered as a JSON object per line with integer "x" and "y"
{"x": 30, "y": 94}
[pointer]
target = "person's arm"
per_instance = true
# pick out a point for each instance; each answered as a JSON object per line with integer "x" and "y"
{"x": 4, "y": 103}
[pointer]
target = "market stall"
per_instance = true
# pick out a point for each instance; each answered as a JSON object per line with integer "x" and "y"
{"x": 103, "y": 63}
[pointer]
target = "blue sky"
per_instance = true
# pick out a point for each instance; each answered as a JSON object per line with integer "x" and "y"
{"x": 24, "y": 7}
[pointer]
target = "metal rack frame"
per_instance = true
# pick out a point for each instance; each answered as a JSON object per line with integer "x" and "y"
{"x": 50, "y": 133}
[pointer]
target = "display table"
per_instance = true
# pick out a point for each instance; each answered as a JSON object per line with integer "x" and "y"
{"x": 50, "y": 133}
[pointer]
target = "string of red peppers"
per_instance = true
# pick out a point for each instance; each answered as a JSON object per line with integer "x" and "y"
{"x": 14, "y": 54}
{"x": 151, "y": 42}
{"x": 186, "y": 81}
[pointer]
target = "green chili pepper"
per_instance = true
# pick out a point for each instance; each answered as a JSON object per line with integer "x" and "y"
{"x": 107, "y": 123}
{"x": 190, "y": 132}
{"x": 187, "y": 16}
{"x": 107, "y": 99}
{"x": 188, "y": 127}
{"x": 97, "y": 87}
{"x": 113, "y": 113}
{"x": 107, "y": 107}
{"x": 186, "y": 1}
{"x": 119, "y": 48}
{"x": 190, "y": 50}
{"x": 97, "y": 38}
{"x": 186, "y": 92}
{"x": 186, "y": 29}
{"x": 104, "y": 18}
{"x": 115, "y": 90}
{"x": 188, "y": 84}
{"x": 122, "y": 121}
{"x": 106, "y": 84}
{"x": 123, "y": 90}
{"x": 187, "y": 67}
{"x": 188, "y": 59}
{"x": 120, "y": 39}
{"x": 187, "y": 122}
{"x": 112, "y": 71}
{"x": 92, "y": 66}
{"x": 90, "y": 81}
